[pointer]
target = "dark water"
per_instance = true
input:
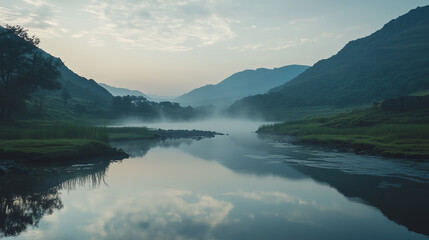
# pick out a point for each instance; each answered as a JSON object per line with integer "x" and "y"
{"x": 239, "y": 186}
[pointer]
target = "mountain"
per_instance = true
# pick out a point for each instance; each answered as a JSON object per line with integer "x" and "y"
{"x": 239, "y": 85}
{"x": 391, "y": 62}
{"x": 115, "y": 91}
{"x": 82, "y": 88}
{"x": 157, "y": 98}
{"x": 77, "y": 86}
{"x": 86, "y": 98}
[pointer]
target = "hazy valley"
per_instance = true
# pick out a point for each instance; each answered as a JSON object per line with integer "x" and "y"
{"x": 336, "y": 150}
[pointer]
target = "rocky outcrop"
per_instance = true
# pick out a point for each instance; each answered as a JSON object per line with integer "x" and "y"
{"x": 195, "y": 134}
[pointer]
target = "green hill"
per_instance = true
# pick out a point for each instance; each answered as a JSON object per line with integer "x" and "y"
{"x": 86, "y": 98}
{"x": 76, "y": 93}
{"x": 83, "y": 88}
{"x": 391, "y": 62}
{"x": 79, "y": 87}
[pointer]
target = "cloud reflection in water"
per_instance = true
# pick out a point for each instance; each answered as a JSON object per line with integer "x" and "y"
{"x": 161, "y": 214}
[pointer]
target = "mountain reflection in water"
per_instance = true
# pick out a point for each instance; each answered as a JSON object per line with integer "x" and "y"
{"x": 398, "y": 188}
{"x": 237, "y": 186}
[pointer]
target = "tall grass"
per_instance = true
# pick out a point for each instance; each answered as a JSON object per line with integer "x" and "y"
{"x": 57, "y": 131}
{"x": 415, "y": 131}
{"x": 403, "y": 134}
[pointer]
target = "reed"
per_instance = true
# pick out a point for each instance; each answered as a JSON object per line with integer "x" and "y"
{"x": 55, "y": 131}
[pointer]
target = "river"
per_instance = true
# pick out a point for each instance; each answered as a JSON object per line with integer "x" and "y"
{"x": 236, "y": 186}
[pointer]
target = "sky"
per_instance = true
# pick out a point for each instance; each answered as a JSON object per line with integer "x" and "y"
{"x": 168, "y": 47}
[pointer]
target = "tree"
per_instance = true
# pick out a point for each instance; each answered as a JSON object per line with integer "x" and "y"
{"x": 23, "y": 69}
{"x": 121, "y": 104}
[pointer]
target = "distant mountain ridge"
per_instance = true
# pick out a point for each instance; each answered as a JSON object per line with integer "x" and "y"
{"x": 239, "y": 85}
{"x": 116, "y": 91}
{"x": 391, "y": 62}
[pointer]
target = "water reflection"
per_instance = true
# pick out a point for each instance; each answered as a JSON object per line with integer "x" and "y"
{"x": 161, "y": 214}
{"x": 139, "y": 148}
{"x": 19, "y": 211}
{"x": 398, "y": 189}
{"x": 24, "y": 200}
{"x": 401, "y": 200}
{"x": 229, "y": 187}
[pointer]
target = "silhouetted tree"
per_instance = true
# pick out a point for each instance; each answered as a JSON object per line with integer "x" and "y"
{"x": 140, "y": 106}
{"x": 121, "y": 104}
{"x": 23, "y": 69}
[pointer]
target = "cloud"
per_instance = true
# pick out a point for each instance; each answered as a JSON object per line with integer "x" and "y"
{"x": 328, "y": 36}
{"x": 160, "y": 25}
{"x": 270, "y": 45}
{"x": 92, "y": 38}
{"x": 36, "y": 2}
{"x": 268, "y": 197}
{"x": 311, "y": 20}
{"x": 161, "y": 214}
{"x": 39, "y": 16}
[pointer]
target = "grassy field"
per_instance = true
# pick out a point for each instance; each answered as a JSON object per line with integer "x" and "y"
{"x": 387, "y": 133}
{"x": 32, "y": 150}
{"x": 51, "y": 130}
{"x": 28, "y": 141}
{"x": 36, "y": 141}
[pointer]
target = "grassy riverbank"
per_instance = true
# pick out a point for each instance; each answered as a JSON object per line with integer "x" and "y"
{"x": 387, "y": 133}
{"x": 37, "y": 150}
{"x": 31, "y": 141}
{"x": 37, "y": 141}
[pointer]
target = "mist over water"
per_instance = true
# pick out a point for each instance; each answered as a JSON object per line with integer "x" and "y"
{"x": 242, "y": 132}
{"x": 218, "y": 124}
{"x": 193, "y": 166}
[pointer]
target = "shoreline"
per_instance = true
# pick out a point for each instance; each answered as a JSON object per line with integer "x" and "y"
{"x": 17, "y": 154}
{"x": 350, "y": 146}
{"x": 382, "y": 133}
{"x": 346, "y": 147}
{"x": 361, "y": 148}
{"x": 142, "y": 133}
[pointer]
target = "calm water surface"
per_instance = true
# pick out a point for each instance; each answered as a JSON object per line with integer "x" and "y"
{"x": 237, "y": 186}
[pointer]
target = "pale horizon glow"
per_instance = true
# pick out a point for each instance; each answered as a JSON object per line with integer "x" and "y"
{"x": 168, "y": 47}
